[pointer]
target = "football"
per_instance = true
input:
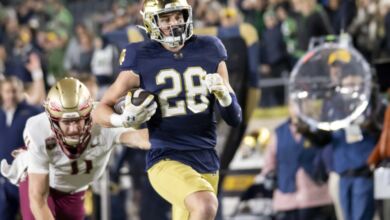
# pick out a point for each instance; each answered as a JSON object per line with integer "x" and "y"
{"x": 138, "y": 96}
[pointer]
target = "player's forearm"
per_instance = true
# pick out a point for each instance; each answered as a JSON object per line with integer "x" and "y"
{"x": 102, "y": 114}
{"x": 231, "y": 114}
{"x": 40, "y": 209}
{"x": 136, "y": 138}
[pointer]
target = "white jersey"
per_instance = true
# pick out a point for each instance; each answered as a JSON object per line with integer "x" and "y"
{"x": 65, "y": 174}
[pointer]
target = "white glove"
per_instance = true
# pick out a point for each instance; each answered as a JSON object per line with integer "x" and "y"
{"x": 15, "y": 172}
{"x": 215, "y": 85}
{"x": 133, "y": 115}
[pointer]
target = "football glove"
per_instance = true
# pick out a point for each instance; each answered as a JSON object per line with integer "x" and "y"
{"x": 134, "y": 115}
{"x": 216, "y": 86}
{"x": 16, "y": 171}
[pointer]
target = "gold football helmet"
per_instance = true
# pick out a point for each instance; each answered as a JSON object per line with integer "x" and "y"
{"x": 152, "y": 10}
{"x": 70, "y": 99}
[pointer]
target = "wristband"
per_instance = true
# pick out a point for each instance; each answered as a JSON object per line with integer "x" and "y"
{"x": 37, "y": 74}
{"x": 116, "y": 120}
{"x": 225, "y": 101}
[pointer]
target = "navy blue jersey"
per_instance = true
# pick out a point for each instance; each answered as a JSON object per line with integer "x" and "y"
{"x": 11, "y": 137}
{"x": 184, "y": 127}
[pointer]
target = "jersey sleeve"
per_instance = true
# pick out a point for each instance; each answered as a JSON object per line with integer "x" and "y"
{"x": 127, "y": 57}
{"x": 38, "y": 158}
{"x": 220, "y": 51}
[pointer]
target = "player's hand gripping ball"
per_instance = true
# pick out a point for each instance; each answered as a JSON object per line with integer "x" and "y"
{"x": 137, "y": 107}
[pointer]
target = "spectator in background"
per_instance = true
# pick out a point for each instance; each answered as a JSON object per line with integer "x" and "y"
{"x": 199, "y": 11}
{"x": 274, "y": 59}
{"x": 25, "y": 11}
{"x": 53, "y": 38}
{"x": 289, "y": 25}
{"x": 356, "y": 182}
{"x": 351, "y": 148}
{"x": 24, "y": 62}
{"x": 253, "y": 13}
{"x": 10, "y": 29}
{"x": 60, "y": 16}
{"x": 297, "y": 195}
{"x": 212, "y": 13}
{"x": 18, "y": 57}
{"x": 53, "y": 44}
{"x": 385, "y": 18}
{"x": 79, "y": 50}
{"x": 117, "y": 18}
{"x": 351, "y": 151}
{"x": 364, "y": 27}
{"x": 14, "y": 113}
{"x": 340, "y": 14}
{"x": 313, "y": 22}
{"x": 35, "y": 91}
{"x": 103, "y": 61}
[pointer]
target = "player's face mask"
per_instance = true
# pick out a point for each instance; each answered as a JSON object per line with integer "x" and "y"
{"x": 72, "y": 130}
{"x": 172, "y": 27}
{"x": 168, "y": 22}
{"x": 69, "y": 107}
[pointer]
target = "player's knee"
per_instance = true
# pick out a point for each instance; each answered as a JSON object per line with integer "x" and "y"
{"x": 208, "y": 208}
{"x": 203, "y": 203}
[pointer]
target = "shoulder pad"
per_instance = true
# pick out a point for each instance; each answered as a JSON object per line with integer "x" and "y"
{"x": 38, "y": 136}
{"x": 128, "y": 56}
{"x": 214, "y": 43}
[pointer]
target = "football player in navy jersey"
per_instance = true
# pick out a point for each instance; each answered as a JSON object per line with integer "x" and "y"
{"x": 188, "y": 74}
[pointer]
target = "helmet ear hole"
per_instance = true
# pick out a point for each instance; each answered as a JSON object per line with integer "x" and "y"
{"x": 185, "y": 14}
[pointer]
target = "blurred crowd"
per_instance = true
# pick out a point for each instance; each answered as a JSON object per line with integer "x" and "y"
{"x": 74, "y": 37}
{"x": 42, "y": 41}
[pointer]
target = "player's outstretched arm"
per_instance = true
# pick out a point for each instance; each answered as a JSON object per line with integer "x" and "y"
{"x": 135, "y": 138}
{"x": 218, "y": 84}
{"x": 104, "y": 114}
{"x": 38, "y": 191}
